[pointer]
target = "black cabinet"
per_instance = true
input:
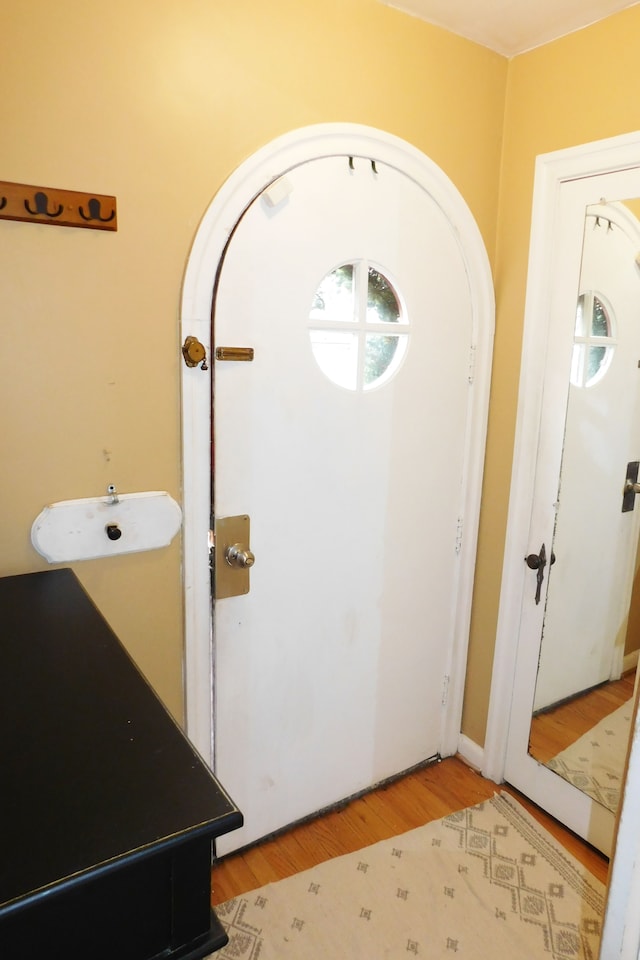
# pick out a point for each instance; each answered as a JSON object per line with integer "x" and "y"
{"x": 107, "y": 813}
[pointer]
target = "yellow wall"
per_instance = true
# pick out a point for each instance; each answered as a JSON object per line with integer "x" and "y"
{"x": 156, "y": 102}
{"x": 581, "y": 88}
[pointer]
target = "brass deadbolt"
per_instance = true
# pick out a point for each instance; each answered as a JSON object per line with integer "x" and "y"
{"x": 194, "y": 353}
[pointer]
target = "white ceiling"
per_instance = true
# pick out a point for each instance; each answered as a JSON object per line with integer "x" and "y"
{"x": 511, "y": 26}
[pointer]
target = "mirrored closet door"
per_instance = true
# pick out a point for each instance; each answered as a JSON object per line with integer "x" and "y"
{"x": 579, "y": 624}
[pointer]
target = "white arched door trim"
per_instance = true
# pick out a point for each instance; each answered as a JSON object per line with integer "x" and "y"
{"x": 213, "y": 234}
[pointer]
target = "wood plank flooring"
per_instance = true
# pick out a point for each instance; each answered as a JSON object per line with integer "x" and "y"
{"x": 418, "y": 798}
{"x": 556, "y": 729}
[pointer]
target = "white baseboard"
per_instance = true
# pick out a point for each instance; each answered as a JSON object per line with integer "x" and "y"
{"x": 470, "y": 752}
{"x": 630, "y": 662}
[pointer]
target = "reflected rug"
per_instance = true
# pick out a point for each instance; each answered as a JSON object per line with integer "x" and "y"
{"x": 595, "y": 762}
{"x": 486, "y": 882}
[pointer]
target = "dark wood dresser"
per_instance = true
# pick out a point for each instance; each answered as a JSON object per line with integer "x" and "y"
{"x": 107, "y": 813}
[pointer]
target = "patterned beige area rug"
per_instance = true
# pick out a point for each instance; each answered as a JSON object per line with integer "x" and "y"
{"x": 487, "y": 882}
{"x": 595, "y": 762}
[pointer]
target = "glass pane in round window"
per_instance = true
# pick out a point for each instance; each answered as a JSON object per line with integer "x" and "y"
{"x": 382, "y": 303}
{"x": 336, "y": 354}
{"x": 600, "y": 321}
{"x": 334, "y": 299}
{"x": 380, "y": 351}
{"x": 348, "y": 322}
{"x": 597, "y": 357}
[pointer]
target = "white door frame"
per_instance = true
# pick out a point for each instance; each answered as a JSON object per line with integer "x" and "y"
{"x": 621, "y": 938}
{"x": 215, "y": 230}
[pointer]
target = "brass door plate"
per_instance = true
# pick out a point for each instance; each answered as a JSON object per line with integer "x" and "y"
{"x": 235, "y": 353}
{"x": 230, "y": 580}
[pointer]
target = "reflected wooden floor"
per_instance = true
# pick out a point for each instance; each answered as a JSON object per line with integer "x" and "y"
{"x": 416, "y": 799}
{"x": 556, "y": 729}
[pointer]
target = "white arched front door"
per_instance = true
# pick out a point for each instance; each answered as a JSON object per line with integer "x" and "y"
{"x": 351, "y": 441}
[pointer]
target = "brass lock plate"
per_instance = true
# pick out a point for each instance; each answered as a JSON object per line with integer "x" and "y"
{"x": 231, "y": 579}
{"x": 239, "y": 354}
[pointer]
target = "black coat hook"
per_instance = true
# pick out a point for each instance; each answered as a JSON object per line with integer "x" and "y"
{"x": 94, "y": 212}
{"x": 42, "y": 204}
{"x": 3, "y": 202}
{"x": 373, "y": 166}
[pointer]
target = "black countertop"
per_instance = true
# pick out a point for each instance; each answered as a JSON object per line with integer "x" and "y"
{"x": 93, "y": 767}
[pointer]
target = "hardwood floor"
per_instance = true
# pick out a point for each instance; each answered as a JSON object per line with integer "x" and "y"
{"x": 420, "y": 797}
{"x": 556, "y": 729}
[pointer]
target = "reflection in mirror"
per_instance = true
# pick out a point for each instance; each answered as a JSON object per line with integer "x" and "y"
{"x": 591, "y": 631}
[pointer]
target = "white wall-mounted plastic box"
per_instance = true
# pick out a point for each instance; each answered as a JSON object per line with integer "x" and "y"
{"x": 88, "y": 529}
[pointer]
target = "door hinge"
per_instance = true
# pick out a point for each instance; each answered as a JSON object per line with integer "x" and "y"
{"x": 472, "y": 363}
{"x": 459, "y": 528}
{"x": 445, "y": 689}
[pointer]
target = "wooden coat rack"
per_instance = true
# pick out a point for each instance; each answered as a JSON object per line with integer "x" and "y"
{"x": 63, "y": 208}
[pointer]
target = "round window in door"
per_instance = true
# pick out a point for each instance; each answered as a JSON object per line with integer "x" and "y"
{"x": 594, "y": 341}
{"x": 358, "y": 327}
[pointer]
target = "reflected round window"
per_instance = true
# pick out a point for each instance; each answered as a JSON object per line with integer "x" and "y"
{"x": 357, "y": 327}
{"x": 594, "y": 342}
